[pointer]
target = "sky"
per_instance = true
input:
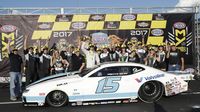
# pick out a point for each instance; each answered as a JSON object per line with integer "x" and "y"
{"x": 89, "y": 3}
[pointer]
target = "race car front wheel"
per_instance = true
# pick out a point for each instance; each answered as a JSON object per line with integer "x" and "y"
{"x": 57, "y": 98}
{"x": 151, "y": 91}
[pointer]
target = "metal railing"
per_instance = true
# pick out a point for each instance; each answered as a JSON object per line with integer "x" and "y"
{"x": 197, "y": 39}
{"x": 94, "y": 10}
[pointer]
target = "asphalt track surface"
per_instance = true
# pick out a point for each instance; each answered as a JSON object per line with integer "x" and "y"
{"x": 185, "y": 102}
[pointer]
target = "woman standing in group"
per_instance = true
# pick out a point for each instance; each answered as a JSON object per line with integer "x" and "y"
{"x": 57, "y": 63}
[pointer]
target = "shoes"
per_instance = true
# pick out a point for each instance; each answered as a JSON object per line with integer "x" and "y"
{"x": 13, "y": 98}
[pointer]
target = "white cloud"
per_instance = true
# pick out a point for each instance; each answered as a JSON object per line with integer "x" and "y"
{"x": 188, "y": 3}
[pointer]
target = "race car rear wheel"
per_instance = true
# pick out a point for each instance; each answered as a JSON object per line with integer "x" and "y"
{"x": 151, "y": 91}
{"x": 57, "y": 98}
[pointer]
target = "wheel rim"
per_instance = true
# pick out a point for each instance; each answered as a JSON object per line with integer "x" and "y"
{"x": 57, "y": 98}
{"x": 150, "y": 89}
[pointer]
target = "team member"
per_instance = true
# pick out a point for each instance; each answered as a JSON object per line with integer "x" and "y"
{"x": 175, "y": 58}
{"x": 15, "y": 73}
{"x": 141, "y": 53}
{"x": 57, "y": 63}
{"x": 92, "y": 57}
{"x": 31, "y": 63}
{"x": 79, "y": 61}
{"x": 151, "y": 59}
{"x": 114, "y": 56}
{"x": 45, "y": 60}
{"x": 104, "y": 56}
{"x": 161, "y": 57}
{"x": 123, "y": 56}
{"x": 133, "y": 57}
{"x": 67, "y": 57}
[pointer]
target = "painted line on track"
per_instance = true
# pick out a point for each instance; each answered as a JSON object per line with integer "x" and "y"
{"x": 191, "y": 93}
{"x": 5, "y": 103}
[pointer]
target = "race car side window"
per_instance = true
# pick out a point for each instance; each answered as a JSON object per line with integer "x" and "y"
{"x": 109, "y": 71}
{"x": 117, "y": 71}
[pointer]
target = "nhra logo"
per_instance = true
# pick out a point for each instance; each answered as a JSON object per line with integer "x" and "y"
{"x": 179, "y": 25}
{"x": 78, "y": 25}
{"x": 149, "y": 77}
{"x": 44, "y": 26}
{"x": 129, "y": 17}
{"x": 8, "y": 28}
{"x": 157, "y": 32}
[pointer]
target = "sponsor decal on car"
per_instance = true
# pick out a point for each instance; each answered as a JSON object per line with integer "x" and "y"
{"x": 179, "y": 25}
{"x": 126, "y": 101}
{"x": 61, "y": 84}
{"x": 139, "y": 80}
{"x": 157, "y": 32}
{"x": 149, "y": 77}
{"x": 8, "y": 28}
{"x": 41, "y": 94}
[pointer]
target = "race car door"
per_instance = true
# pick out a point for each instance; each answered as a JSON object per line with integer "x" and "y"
{"x": 110, "y": 83}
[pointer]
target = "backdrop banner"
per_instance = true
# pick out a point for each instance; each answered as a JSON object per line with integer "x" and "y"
{"x": 104, "y": 29}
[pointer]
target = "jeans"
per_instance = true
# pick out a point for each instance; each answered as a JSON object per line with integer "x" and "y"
{"x": 174, "y": 67}
{"x": 15, "y": 84}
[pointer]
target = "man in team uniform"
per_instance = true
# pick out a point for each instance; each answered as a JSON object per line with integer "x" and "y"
{"x": 175, "y": 58}
{"x": 78, "y": 60}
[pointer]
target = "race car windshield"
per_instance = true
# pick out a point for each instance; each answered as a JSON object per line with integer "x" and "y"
{"x": 86, "y": 71}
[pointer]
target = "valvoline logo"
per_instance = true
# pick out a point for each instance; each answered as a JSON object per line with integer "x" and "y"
{"x": 149, "y": 77}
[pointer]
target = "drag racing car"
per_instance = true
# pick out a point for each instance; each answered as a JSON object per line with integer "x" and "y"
{"x": 106, "y": 82}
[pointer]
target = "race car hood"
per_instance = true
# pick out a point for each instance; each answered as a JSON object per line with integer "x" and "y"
{"x": 68, "y": 75}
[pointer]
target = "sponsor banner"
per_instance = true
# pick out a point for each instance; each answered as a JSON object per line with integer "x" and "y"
{"x": 104, "y": 29}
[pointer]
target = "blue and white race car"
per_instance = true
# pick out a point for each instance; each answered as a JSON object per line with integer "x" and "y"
{"x": 106, "y": 82}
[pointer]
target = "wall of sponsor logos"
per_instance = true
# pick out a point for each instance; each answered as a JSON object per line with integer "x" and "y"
{"x": 64, "y": 29}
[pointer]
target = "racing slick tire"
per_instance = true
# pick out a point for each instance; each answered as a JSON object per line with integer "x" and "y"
{"x": 151, "y": 91}
{"x": 57, "y": 98}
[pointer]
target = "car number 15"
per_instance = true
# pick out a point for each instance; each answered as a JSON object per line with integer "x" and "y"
{"x": 108, "y": 85}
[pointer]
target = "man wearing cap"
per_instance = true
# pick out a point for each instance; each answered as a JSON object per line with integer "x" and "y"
{"x": 45, "y": 66}
{"x": 15, "y": 73}
{"x": 141, "y": 52}
{"x": 114, "y": 53}
{"x": 123, "y": 56}
{"x": 78, "y": 61}
{"x": 104, "y": 56}
{"x": 133, "y": 57}
{"x": 175, "y": 59}
{"x": 92, "y": 57}
{"x": 67, "y": 57}
{"x": 31, "y": 63}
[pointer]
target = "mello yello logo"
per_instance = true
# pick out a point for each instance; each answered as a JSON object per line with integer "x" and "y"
{"x": 149, "y": 77}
